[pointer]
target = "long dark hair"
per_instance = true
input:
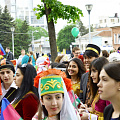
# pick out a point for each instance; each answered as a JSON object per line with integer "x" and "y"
{"x": 42, "y": 108}
{"x": 81, "y": 68}
{"x": 29, "y": 73}
{"x": 97, "y": 63}
{"x": 113, "y": 70}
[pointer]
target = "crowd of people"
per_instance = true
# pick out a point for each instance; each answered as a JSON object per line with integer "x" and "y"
{"x": 82, "y": 87}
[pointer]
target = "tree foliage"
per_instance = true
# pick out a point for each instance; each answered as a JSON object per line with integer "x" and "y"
{"x": 6, "y": 22}
{"x": 54, "y": 10}
{"x": 21, "y": 36}
{"x": 83, "y": 30}
{"x": 65, "y": 38}
{"x": 23, "y": 40}
{"x": 39, "y": 32}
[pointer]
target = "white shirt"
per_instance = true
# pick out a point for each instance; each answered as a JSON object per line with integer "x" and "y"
{"x": 13, "y": 85}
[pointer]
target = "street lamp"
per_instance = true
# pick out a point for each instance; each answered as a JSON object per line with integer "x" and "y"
{"x": 33, "y": 39}
{"x": 12, "y": 30}
{"x": 89, "y": 8}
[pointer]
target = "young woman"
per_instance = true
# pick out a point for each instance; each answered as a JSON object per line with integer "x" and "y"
{"x": 56, "y": 104}
{"x": 74, "y": 71}
{"x": 26, "y": 102}
{"x": 109, "y": 89}
{"x": 97, "y": 105}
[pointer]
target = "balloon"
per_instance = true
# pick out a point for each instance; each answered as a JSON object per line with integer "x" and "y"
{"x": 75, "y": 31}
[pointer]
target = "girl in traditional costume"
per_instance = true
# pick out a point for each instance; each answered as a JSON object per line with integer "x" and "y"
{"x": 97, "y": 104}
{"x": 26, "y": 102}
{"x": 56, "y": 104}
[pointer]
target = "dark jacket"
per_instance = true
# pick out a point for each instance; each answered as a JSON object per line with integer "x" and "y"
{"x": 10, "y": 56}
{"x": 83, "y": 87}
{"x": 108, "y": 112}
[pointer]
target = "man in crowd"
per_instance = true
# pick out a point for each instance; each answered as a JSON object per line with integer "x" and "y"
{"x": 21, "y": 56}
{"x": 92, "y": 51}
{"x": 10, "y": 54}
{"x": 8, "y": 86}
{"x": 76, "y": 52}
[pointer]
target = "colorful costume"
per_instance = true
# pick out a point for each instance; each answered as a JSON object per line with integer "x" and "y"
{"x": 98, "y": 106}
{"x": 11, "y": 92}
{"x": 76, "y": 88}
{"x": 54, "y": 84}
{"x": 41, "y": 62}
{"x": 28, "y": 106}
{"x": 74, "y": 98}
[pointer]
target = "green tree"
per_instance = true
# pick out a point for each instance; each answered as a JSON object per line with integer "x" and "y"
{"x": 83, "y": 30}
{"x": 21, "y": 36}
{"x": 65, "y": 38}
{"x": 54, "y": 10}
{"x": 6, "y": 22}
{"x": 40, "y": 32}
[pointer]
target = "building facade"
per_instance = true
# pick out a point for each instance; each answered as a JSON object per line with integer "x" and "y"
{"x": 23, "y": 9}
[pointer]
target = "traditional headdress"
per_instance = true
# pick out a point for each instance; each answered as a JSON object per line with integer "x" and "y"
{"x": 93, "y": 48}
{"x": 52, "y": 84}
{"x": 7, "y": 64}
{"x": 67, "y": 81}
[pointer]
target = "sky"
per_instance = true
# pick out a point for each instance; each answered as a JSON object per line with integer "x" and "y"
{"x": 100, "y": 8}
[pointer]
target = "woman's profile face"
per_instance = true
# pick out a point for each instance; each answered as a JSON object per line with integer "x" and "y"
{"x": 94, "y": 75}
{"x": 18, "y": 78}
{"x": 108, "y": 87}
{"x": 53, "y": 103}
{"x": 72, "y": 69}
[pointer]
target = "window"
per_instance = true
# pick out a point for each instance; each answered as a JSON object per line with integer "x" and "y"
{"x": 100, "y": 21}
{"x": 105, "y": 20}
{"x": 118, "y": 38}
{"x": 112, "y": 20}
{"x": 115, "y": 38}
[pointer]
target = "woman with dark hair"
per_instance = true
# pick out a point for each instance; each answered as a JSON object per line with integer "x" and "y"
{"x": 109, "y": 89}
{"x": 55, "y": 102}
{"x": 26, "y": 101}
{"x": 74, "y": 71}
{"x": 97, "y": 105}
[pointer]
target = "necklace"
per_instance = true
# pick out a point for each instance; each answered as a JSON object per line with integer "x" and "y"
{"x": 52, "y": 117}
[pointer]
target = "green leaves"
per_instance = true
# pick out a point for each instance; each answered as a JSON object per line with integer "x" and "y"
{"x": 65, "y": 37}
{"x": 58, "y": 10}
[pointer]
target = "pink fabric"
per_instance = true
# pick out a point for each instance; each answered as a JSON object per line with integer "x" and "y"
{"x": 8, "y": 113}
{"x": 101, "y": 104}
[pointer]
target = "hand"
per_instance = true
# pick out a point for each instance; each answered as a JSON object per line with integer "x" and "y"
{"x": 84, "y": 116}
{"x": 84, "y": 106}
{"x": 90, "y": 109}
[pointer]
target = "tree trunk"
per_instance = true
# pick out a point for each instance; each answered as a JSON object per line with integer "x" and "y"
{"x": 51, "y": 32}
